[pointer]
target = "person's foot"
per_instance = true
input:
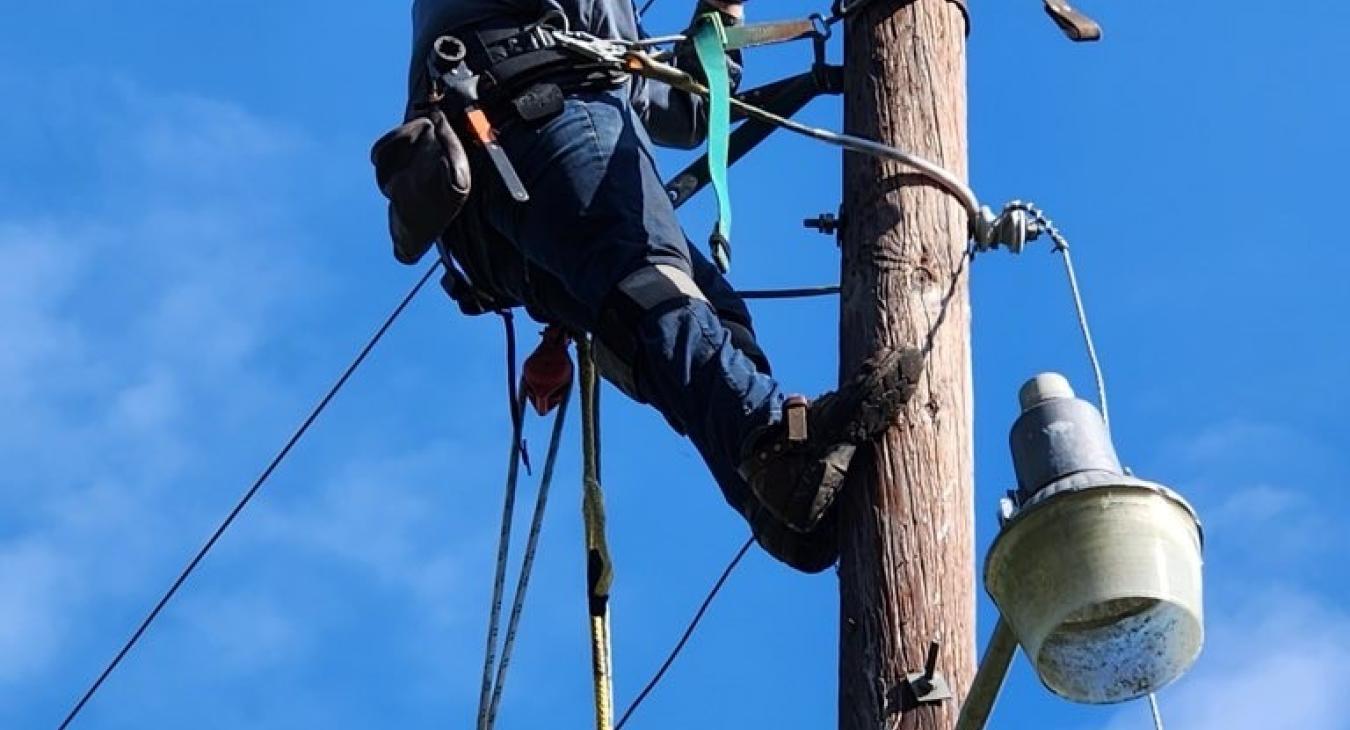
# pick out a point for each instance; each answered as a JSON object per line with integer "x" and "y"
{"x": 809, "y": 552}
{"x": 796, "y": 467}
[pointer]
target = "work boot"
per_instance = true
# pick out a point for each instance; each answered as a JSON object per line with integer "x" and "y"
{"x": 797, "y": 466}
{"x": 809, "y": 552}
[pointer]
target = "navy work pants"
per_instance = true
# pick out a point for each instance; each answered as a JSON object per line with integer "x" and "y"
{"x": 598, "y": 213}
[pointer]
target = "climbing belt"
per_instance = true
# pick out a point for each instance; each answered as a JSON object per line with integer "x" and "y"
{"x": 599, "y": 568}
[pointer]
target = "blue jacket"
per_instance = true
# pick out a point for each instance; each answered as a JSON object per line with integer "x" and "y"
{"x": 672, "y": 118}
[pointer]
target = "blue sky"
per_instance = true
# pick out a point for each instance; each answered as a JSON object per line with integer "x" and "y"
{"x": 192, "y": 248}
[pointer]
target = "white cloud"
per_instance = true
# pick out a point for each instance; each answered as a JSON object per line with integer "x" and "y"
{"x": 131, "y": 333}
{"x": 1278, "y": 638}
{"x": 371, "y": 517}
{"x": 200, "y": 140}
{"x": 38, "y": 274}
{"x": 1238, "y": 452}
{"x": 35, "y": 585}
{"x": 1265, "y": 525}
{"x": 245, "y": 633}
{"x": 147, "y": 406}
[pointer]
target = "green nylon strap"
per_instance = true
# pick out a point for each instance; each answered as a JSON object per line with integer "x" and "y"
{"x": 709, "y": 38}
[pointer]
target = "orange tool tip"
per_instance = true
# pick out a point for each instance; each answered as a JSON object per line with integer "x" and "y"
{"x": 480, "y": 126}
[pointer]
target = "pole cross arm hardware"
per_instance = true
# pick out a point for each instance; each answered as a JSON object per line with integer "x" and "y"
{"x": 781, "y": 31}
{"x": 1077, "y": 26}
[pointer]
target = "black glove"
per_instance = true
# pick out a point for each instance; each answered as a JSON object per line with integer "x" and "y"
{"x": 422, "y": 168}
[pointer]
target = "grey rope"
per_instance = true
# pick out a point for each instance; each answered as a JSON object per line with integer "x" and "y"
{"x": 1157, "y": 714}
{"x": 1062, "y": 247}
{"x": 527, "y": 563}
{"x": 499, "y": 579}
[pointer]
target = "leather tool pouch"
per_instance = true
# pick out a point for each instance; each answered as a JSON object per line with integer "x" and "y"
{"x": 422, "y": 168}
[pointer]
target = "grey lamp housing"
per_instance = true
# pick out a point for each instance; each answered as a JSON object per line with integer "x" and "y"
{"x": 1098, "y": 573}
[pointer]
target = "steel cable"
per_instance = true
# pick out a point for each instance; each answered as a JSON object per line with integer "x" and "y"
{"x": 1062, "y": 247}
{"x": 1153, "y": 708}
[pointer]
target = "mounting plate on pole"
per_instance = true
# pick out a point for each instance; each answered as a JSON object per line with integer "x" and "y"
{"x": 929, "y": 690}
{"x": 929, "y": 686}
{"x": 1077, "y": 26}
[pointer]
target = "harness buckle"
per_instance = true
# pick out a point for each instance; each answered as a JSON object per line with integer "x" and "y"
{"x": 794, "y": 414}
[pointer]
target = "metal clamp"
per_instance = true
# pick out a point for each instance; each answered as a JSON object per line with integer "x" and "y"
{"x": 1012, "y": 228}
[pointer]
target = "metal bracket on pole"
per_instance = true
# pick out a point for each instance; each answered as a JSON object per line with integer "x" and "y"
{"x": 1077, "y": 26}
{"x": 929, "y": 686}
{"x": 785, "y": 97}
{"x": 989, "y": 678}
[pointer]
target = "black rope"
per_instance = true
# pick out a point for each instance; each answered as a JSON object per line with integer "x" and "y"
{"x": 248, "y": 496}
{"x": 513, "y": 390}
{"x": 688, "y": 632}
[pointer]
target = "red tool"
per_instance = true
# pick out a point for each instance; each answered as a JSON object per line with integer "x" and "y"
{"x": 548, "y": 370}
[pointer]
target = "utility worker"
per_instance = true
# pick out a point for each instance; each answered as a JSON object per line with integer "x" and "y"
{"x": 597, "y": 248}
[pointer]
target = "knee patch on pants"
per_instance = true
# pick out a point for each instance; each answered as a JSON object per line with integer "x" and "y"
{"x": 651, "y": 289}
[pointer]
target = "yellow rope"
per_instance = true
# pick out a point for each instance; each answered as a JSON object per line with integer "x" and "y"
{"x": 599, "y": 569}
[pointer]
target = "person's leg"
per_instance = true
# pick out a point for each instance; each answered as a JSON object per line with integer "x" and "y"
{"x": 810, "y": 552}
{"x": 731, "y": 309}
{"x": 600, "y": 223}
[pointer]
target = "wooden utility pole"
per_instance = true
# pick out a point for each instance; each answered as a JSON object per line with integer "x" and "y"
{"x": 907, "y": 571}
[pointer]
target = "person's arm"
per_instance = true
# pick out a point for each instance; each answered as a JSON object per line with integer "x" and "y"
{"x": 677, "y": 118}
{"x": 732, "y": 8}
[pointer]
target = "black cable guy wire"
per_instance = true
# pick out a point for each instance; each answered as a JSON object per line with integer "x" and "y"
{"x": 802, "y": 293}
{"x": 688, "y": 632}
{"x": 248, "y": 497}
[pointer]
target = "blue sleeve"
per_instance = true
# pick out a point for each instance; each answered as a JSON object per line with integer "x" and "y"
{"x": 676, "y": 118}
